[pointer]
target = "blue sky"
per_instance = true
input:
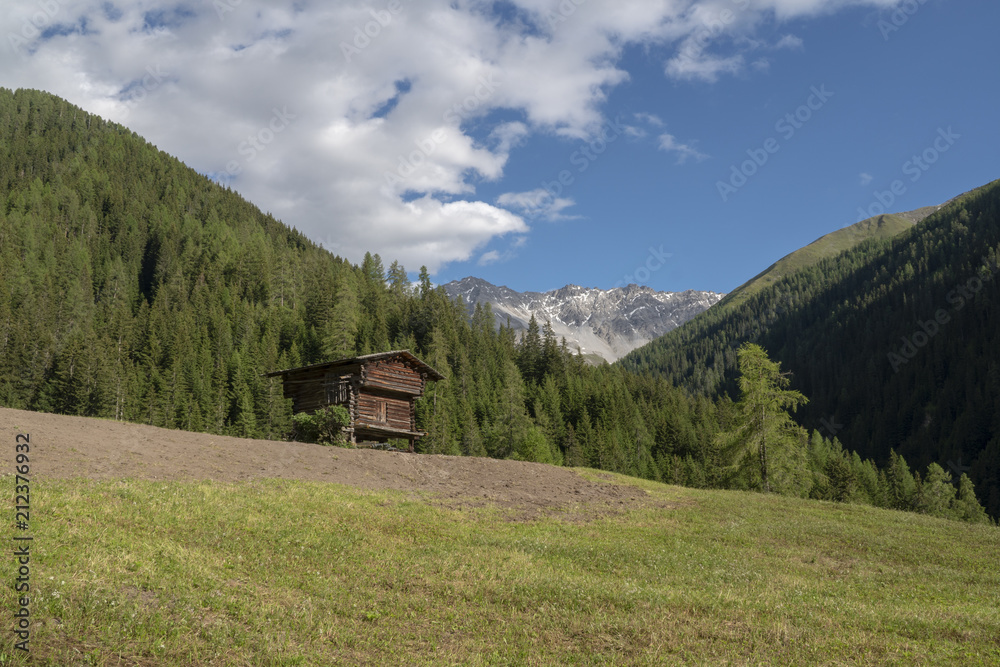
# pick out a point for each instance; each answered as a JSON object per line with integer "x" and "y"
{"x": 433, "y": 138}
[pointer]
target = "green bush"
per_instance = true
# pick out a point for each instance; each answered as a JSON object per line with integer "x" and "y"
{"x": 325, "y": 426}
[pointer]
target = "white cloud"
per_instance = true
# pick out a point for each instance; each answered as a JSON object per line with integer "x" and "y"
{"x": 509, "y": 136}
{"x": 487, "y": 258}
{"x": 540, "y": 204}
{"x": 498, "y": 257}
{"x": 714, "y": 37}
{"x": 865, "y": 179}
{"x": 371, "y": 141}
{"x": 649, "y": 119}
{"x": 789, "y": 42}
{"x": 670, "y": 144}
{"x": 693, "y": 63}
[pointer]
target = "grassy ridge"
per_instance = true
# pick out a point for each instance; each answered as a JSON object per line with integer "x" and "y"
{"x": 291, "y": 573}
{"x": 830, "y": 245}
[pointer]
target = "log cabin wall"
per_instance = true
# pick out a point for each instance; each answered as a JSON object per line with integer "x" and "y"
{"x": 386, "y": 410}
{"x": 393, "y": 375}
{"x": 313, "y": 389}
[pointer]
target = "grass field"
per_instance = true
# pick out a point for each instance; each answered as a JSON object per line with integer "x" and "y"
{"x": 294, "y": 573}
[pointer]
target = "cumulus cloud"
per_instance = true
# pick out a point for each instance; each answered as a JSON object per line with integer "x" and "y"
{"x": 368, "y": 129}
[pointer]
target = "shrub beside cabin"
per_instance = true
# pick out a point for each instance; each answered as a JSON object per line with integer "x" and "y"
{"x": 378, "y": 390}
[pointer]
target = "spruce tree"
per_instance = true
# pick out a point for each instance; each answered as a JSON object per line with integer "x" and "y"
{"x": 340, "y": 336}
{"x": 965, "y": 506}
{"x": 530, "y": 352}
{"x": 936, "y": 493}
{"x": 902, "y": 487}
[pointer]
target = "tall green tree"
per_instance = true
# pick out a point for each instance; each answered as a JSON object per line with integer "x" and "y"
{"x": 901, "y": 488}
{"x": 340, "y": 337}
{"x": 965, "y": 506}
{"x": 529, "y": 355}
{"x": 764, "y": 432}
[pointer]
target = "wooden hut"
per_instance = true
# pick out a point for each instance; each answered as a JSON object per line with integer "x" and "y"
{"x": 378, "y": 390}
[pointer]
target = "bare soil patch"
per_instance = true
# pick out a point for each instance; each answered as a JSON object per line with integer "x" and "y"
{"x": 67, "y": 447}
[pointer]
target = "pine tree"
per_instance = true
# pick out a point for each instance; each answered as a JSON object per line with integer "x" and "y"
{"x": 472, "y": 439}
{"x": 901, "y": 488}
{"x": 936, "y": 493}
{"x": 425, "y": 282}
{"x": 399, "y": 282}
{"x": 765, "y": 432}
{"x": 530, "y": 352}
{"x": 966, "y": 507}
{"x": 510, "y": 425}
{"x": 841, "y": 478}
{"x": 552, "y": 360}
{"x": 340, "y": 337}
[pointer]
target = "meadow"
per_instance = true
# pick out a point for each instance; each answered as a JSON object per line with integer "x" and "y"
{"x": 278, "y": 572}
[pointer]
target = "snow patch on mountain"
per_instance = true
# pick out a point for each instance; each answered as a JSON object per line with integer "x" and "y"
{"x": 609, "y": 323}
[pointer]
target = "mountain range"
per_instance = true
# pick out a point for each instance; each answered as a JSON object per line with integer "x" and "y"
{"x": 605, "y": 325}
{"x": 601, "y": 324}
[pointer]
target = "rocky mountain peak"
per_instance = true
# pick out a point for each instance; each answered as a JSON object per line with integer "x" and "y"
{"x": 607, "y": 323}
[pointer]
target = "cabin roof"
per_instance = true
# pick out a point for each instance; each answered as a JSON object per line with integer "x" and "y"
{"x": 406, "y": 354}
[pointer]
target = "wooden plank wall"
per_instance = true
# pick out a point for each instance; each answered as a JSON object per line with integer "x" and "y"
{"x": 397, "y": 410}
{"x": 308, "y": 389}
{"x": 393, "y": 375}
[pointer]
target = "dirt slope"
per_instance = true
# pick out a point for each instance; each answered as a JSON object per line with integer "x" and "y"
{"x": 63, "y": 447}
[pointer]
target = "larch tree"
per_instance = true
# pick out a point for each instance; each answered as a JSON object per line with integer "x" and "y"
{"x": 763, "y": 428}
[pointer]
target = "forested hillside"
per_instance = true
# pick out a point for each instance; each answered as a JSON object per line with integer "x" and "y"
{"x": 830, "y": 245}
{"x": 894, "y": 341}
{"x": 135, "y": 289}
